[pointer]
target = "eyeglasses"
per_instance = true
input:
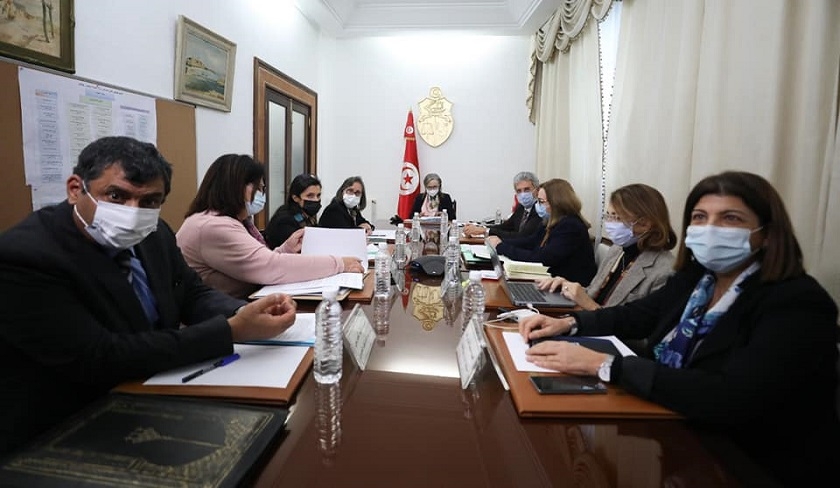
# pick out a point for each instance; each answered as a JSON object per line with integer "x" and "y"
{"x": 614, "y": 217}
{"x": 348, "y": 191}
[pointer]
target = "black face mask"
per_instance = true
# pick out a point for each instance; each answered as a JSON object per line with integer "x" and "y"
{"x": 311, "y": 207}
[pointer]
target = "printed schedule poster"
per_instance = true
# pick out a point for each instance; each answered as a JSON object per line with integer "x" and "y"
{"x": 61, "y": 115}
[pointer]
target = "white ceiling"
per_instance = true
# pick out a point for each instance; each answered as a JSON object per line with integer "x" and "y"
{"x": 349, "y": 18}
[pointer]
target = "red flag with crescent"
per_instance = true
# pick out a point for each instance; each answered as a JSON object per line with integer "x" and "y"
{"x": 410, "y": 173}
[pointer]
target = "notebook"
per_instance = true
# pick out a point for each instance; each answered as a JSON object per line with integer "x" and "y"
{"x": 524, "y": 293}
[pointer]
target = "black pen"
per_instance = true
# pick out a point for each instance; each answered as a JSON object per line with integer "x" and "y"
{"x": 218, "y": 364}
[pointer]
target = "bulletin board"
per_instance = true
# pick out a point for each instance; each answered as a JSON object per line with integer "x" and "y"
{"x": 175, "y": 140}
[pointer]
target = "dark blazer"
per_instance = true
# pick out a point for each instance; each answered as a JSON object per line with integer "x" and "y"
{"x": 568, "y": 251}
{"x": 285, "y": 221}
{"x": 510, "y": 227}
{"x": 764, "y": 377}
{"x": 72, "y": 328}
{"x": 444, "y": 203}
{"x": 337, "y": 216}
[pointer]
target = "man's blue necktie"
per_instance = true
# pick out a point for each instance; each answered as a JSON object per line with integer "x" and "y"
{"x": 136, "y": 275}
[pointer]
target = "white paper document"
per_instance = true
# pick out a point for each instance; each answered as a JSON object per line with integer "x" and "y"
{"x": 335, "y": 242}
{"x": 387, "y": 234}
{"x": 517, "y": 347}
{"x": 263, "y": 366}
{"x": 355, "y": 281}
{"x": 301, "y": 333}
{"x": 478, "y": 250}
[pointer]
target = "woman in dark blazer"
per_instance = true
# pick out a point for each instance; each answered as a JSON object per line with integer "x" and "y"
{"x": 301, "y": 210}
{"x": 433, "y": 201}
{"x": 563, "y": 244}
{"x": 345, "y": 209}
{"x": 741, "y": 341}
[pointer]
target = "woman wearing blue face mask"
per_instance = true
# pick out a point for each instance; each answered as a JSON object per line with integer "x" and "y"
{"x": 345, "y": 209}
{"x": 562, "y": 243}
{"x": 741, "y": 341}
{"x": 219, "y": 241}
{"x": 640, "y": 259}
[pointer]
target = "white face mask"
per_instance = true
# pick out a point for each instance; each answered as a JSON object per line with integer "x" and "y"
{"x": 433, "y": 193}
{"x": 257, "y": 205}
{"x": 719, "y": 249}
{"x": 117, "y": 226}
{"x": 620, "y": 233}
{"x": 351, "y": 201}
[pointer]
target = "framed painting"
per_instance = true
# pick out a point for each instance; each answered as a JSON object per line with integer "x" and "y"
{"x": 204, "y": 64}
{"x": 38, "y": 32}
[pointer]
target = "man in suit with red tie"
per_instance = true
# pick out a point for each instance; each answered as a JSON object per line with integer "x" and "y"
{"x": 524, "y": 221}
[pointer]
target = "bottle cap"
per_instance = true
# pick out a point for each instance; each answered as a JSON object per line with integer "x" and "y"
{"x": 330, "y": 292}
{"x": 475, "y": 275}
{"x": 400, "y": 226}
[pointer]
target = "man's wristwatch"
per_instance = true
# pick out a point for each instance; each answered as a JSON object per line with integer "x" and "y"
{"x": 604, "y": 369}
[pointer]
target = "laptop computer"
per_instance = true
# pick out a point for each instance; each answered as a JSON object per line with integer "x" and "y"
{"x": 523, "y": 293}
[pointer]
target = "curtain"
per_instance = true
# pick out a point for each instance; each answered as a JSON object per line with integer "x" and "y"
{"x": 704, "y": 86}
{"x": 566, "y": 99}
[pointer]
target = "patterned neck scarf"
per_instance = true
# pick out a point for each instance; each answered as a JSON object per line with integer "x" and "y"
{"x": 677, "y": 347}
{"x": 430, "y": 205}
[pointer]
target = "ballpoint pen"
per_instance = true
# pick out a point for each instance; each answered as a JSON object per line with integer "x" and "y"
{"x": 218, "y": 364}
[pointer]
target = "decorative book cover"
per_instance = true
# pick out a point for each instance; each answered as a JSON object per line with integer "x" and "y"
{"x": 148, "y": 441}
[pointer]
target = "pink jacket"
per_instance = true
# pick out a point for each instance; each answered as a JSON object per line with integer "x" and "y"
{"x": 228, "y": 258}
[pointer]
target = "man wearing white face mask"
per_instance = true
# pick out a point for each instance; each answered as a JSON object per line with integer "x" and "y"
{"x": 639, "y": 261}
{"x": 741, "y": 341}
{"x": 524, "y": 220}
{"x": 345, "y": 209}
{"x": 95, "y": 293}
{"x": 220, "y": 242}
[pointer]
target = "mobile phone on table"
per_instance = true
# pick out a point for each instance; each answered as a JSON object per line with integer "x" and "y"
{"x": 554, "y": 385}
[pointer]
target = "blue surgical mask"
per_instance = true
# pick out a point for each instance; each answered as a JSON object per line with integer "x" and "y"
{"x": 526, "y": 199}
{"x": 620, "y": 233}
{"x": 719, "y": 249}
{"x": 351, "y": 200}
{"x": 257, "y": 205}
{"x": 541, "y": 210}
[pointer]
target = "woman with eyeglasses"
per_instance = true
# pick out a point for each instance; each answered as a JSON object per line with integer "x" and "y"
{"x": 640, "y": 259}
{"x": 229, "y": 255}
{"x": 562, "y": 242}
{"x": 303, "y": 202}
{"x": 433, "y": 201}
{"x": 345, "y": 209}
{"x": 741, "y": 341}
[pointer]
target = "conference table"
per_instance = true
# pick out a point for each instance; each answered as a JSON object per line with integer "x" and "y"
{"x": 405, "y": 421}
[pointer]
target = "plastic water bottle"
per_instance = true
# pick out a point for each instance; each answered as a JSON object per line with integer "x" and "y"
{"x": 400, "y": 257}
{"x": 474, "y": 298}
{"x": 329, "y": 349}
{"x": 451, "y": 284}
{"x": 455, "y": 230}
{"x": 416, "y": 235}
{"x": 498, "y": 219}
{"x": 444, "y": 226}
{"x": 382, "y": 268}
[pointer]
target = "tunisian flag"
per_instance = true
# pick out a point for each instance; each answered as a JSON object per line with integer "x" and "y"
{"x": 410, "y": 174}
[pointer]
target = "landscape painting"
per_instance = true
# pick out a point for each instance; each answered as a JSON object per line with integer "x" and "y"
{"x": 38, "y": 32}
{"x": 204, "y": 66}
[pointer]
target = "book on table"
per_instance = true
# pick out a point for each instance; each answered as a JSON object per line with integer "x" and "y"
{"x": 149, "y": 441}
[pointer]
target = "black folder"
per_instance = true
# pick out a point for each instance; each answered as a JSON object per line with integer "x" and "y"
{"x": 148, "y": 441}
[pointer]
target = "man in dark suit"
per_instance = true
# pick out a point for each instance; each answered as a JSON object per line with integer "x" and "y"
{"x": 95, "y": 292}
{"x": 524, "y": 221}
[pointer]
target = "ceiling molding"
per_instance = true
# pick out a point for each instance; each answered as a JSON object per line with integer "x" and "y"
{"x": 357, "y": 18}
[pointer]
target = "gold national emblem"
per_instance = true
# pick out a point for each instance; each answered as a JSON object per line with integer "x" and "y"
{"x": 435, "y": 121}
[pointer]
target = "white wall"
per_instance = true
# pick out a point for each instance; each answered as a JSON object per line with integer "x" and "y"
{"x": 369, "y": 85}
{"x": 365, "y": 88}
{"x": 131, "y": 44}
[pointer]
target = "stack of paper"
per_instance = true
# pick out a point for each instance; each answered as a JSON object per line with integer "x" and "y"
{"x": 301, "y": 333}
{"x": 524, "y": 270}
{"x": 355, "y": 281}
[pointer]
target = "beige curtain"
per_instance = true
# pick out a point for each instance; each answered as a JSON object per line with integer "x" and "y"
{"x": 566, "y": 101}
{"x": 708, "y": 85}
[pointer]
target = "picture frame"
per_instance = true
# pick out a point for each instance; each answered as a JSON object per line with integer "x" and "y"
{"x": 204, "y": 66}
{"x": 39, "y": 32}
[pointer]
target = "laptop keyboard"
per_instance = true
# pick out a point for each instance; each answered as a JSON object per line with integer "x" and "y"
{"x": 525, "y": 292}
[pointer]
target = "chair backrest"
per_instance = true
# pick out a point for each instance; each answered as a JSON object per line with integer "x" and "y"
{"x": 601, "y": 252}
